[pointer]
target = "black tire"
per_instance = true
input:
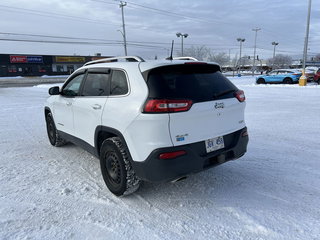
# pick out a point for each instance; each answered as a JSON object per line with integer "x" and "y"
{"x": 261, "y": 81}
{"x": 116, "y": 169}
{"x": 53, "y": 134}
{"x": 287, "y": 81}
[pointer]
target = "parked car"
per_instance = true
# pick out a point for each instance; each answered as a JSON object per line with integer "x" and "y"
{"x": 287, "y": 76}
{"x": 317, "y": 76}
{"x": 150, "y": 121}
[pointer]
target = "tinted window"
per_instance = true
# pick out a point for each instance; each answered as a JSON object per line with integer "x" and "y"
{"x": 96, "y": 84}
{"x": 72, "y": 88}
{"x": 119, "y": 85}
{"x": 196, "y": 82}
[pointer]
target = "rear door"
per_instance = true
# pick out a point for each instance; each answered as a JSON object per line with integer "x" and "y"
{"x": 215, "y": 111}
{"x": 88, "y": 108}
{"x": 281, "y": 75}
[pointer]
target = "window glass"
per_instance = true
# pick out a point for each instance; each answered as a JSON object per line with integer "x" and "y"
{"x": 96, "y": 84}
{"x": 119, "y": 85}
{"x": 199, "y": 83}
{"x": 73, "y": 87}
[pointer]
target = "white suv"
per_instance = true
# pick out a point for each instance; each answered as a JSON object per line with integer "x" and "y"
{"x": 149, "y": 120}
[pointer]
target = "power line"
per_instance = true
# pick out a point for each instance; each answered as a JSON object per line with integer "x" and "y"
{"x": 51, "y": 14}
{"x": 52, "y": 36}
{"x": 112, "y": 40}
{"x": 165, "y": 12}
{"x": 81, "y": 43}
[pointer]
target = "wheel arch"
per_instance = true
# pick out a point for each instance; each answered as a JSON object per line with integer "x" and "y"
{"x": 260, "y": 80}
{"x": 103, "y": 132}
{"x": 288, "y": 80}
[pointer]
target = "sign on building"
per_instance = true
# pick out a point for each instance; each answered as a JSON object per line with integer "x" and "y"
{"x": 25, "y": 59}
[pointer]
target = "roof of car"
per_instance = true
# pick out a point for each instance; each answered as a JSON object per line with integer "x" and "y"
{"x": 134, "y": 61}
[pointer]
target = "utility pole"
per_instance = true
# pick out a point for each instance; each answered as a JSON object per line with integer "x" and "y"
{"x": 303, "y": 78}
{"x": 254, "y": 52}
{"x": 122, "y": 4}
{"x": 241, "y": 40}
{"x": 274, "y": 52}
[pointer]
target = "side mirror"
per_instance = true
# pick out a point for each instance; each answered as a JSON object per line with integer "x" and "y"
{"x": 54, "y": 91}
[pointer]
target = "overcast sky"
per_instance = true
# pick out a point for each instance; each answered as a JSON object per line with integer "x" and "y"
{"x": 152, "y": 25}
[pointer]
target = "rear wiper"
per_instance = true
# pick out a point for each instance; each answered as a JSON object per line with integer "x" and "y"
{"x": 215, "y": 96}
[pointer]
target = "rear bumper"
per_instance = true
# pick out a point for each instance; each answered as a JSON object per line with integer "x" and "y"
{"x": 154, "y": 169}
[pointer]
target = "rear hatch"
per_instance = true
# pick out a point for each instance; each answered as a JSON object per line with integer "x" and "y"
{"x": 202, "y": 104}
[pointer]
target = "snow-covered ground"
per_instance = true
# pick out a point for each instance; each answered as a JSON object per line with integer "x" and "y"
{"x": 273, "y": 192}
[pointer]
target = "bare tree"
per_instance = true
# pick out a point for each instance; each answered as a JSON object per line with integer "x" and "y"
{"x": 200, "y": 53}
{"x": 220, "y": 58}
{"x": 280, "y": 61}
{"x": 317, "y": 57}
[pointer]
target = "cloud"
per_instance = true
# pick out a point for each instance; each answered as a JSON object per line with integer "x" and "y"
{"x": 214, "y": 23}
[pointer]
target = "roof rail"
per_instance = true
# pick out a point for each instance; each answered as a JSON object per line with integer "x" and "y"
{"x": 185, "y": 58}
{"x": 115, "y": 59}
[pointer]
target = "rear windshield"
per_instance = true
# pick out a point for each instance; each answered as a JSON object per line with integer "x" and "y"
{"x": 198, "y": 82}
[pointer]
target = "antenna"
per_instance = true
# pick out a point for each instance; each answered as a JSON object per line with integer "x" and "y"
{"x": 170, "y": 58}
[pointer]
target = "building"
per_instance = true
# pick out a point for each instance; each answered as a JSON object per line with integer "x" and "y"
{"x": 38, "y": 65}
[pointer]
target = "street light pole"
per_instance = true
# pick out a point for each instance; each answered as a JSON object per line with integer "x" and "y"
{"x": 182, "y": 36}
{"x": 122, "y": 4}
{"x": 303, "y": 78}
{"x": 274, "y": 52}
{"x": 241, "y": 40}
{"x": 254, "y": 52}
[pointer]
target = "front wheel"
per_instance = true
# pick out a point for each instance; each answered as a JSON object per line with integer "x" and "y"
{"x": 116, "y": 169}
{"x": 261, "y": 81}
{"x": 53, "y": 134}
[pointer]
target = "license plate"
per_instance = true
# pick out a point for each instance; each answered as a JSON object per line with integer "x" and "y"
{"x": 214, "y": 144}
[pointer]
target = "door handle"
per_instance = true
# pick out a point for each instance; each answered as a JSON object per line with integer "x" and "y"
{"x": 96, "y": 106}
{"x": 68, "y": 103}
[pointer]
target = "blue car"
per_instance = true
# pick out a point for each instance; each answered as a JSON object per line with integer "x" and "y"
{"x": 287, "y": 76}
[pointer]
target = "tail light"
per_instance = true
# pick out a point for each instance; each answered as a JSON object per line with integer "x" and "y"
{"x": 240, "y": 95}
{"x": 167, "y": 106}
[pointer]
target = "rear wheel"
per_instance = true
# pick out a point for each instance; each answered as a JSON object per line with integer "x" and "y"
{"x": 287, "y": 81}
{"x": 261, "y": 81}
{"x": 53, "y": 134}
{"x": 116, "y": 169}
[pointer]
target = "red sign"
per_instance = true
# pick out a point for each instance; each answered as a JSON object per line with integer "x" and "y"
{"x": 18, "y": 59}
